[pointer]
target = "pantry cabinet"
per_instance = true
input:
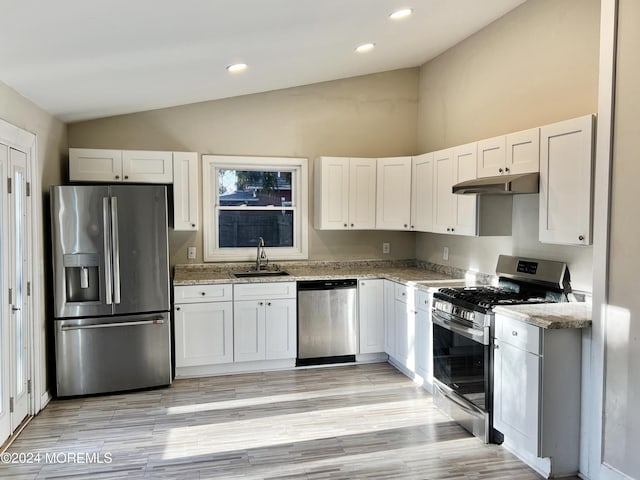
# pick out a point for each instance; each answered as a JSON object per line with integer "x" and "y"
{"x": 566, "y": 179}
{"x": 345, "y": 193}
{"x": 393, "y": 206}
{"x": 203, "y": 322}
{"x": 422, "y": 196}
{"x": 264, "y": 321}
{"x": 371, "y": 315}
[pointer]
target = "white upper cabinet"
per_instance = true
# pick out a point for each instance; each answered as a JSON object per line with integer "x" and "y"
{"x": 492, "y": 156}
{"x": 185, "y": 191}
{"x": 136, "y": 166}
{"x": 393, "y": 210}
{"x": 93, "y": 165}
{"x": 345, "y": 193}
{"x": 443, "y": 216}
{"x": 523, "y": 152}
{"x": 422, "y": 181}
{"x": 142, "y": 166}
{"x": 566, "y": 163}
{"x": 464, "y": 206}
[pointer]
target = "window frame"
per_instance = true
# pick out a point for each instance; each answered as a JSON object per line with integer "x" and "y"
{"x": 211, "y": 206}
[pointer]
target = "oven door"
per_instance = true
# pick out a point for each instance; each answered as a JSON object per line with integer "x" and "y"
{"x": 461, "y": 359}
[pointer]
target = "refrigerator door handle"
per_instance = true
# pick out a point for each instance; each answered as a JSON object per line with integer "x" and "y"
{"x": 65, "y": 328}
{"x": 116, "y": 250}
{"x": 108, "y": 277}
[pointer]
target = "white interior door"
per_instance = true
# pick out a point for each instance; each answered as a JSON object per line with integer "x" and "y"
{"x": 5, "y": 357}
{"x": 19, "y": 311}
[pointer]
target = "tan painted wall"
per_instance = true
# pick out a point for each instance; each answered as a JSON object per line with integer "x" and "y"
{"x": 369, "y": 116}
{"x": 51, "y": 141}
{"x": 536, "y": 65}
{"x": 621, "y": 419}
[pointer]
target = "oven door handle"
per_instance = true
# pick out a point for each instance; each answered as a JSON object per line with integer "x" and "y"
{"x": 471, "y": 333}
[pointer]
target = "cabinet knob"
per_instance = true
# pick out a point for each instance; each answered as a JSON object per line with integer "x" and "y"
{"x": 346, "y": 225}
{"x": 352, "y": 225}
{"x": 203, "y": 293}
{"x": 506, "y": 169}
{"x": 496, "y": 347}
{"x": 178, "y": 309}
{"x": 453, "y": 229}
{"x": 117, "y": 177}
{"x": 581, "y": 238}
{"x": 405, "y": 225}
{"x": 412, "y": 227}
{"x": 193, "y": 225}
{"x": 260, "y": 303}
{"x": 268, "y": 304}
{"x": 514, "y": 333}
{"x": 126, "y": 177}
{"x": 448, "y": 229}
{"x": 500, "y": 170}
{"x": 403, "y": 294}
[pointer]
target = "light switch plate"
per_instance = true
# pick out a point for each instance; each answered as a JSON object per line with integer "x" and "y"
{"x": 445, "y": 253}
{"x": 386, "y": 247}
{"x": 191, "y": 253}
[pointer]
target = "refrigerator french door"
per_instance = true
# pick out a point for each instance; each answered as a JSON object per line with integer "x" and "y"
{"x": 111, "y": 288}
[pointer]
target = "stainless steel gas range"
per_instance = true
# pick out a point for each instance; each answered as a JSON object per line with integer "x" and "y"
{"x": 463, "y": 336}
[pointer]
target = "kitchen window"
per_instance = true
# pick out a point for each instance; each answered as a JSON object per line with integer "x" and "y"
{"x": 246, "y": 198}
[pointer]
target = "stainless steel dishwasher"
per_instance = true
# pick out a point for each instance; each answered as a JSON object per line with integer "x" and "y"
{"x": 327, "y": 321}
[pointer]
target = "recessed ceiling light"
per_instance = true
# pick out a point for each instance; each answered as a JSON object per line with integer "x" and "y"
{"x": 366, "y": 47}
{"x": 404, "y": 13}
{"x": 237, "y": 67}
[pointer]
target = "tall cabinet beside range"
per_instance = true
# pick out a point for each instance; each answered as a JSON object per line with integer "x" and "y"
{"x": 111, "y": 288}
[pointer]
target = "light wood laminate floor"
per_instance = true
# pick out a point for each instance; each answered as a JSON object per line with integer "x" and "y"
{"x": 349, "y": 422}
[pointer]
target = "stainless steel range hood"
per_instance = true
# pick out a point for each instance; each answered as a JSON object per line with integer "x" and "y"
{"x": 503, "y": 184}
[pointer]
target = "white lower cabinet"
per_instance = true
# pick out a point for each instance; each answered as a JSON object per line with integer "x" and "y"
{"x": 389, "y": 293}
{"x": 536, "y": 396}
{"x": 423, "y": 339}
{"x": 203, "y": 325}
{"x": 264, "y": 325}
{"x": 371, "y": 315}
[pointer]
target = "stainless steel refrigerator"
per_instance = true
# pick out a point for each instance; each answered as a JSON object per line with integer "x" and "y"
{"x": 111, "y": 288}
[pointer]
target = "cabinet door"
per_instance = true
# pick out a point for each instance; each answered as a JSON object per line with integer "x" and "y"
{"x": 491, "y": 157}
{"x": 464, "y": 206}
{"x": 94, "y": 165}
{"x": 405, "y": 314}
{"x": 331, "y": 193}
{"x": 389, "y": 318}
{"x": 185, "y": 191}
{"x": 394, "y": 194}
{"x": 362, "y": 193}
{"x": 516, "y": 377}
{"x": 371, "y": 314}
{"x": 523, "y": 152}
{"x": 147, "y": 166}
{"x": 565, "y": 181}
{"x": 280, "y": 329}
{"x": 423, "y": 342}
{"x": 203, "y": 333}
{"x": 248, "y": 330}
{"x": 422, "y": 192}
{"x": 443, "y": 217}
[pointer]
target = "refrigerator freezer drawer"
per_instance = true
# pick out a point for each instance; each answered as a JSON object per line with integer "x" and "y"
{"x": 110, "y": 354}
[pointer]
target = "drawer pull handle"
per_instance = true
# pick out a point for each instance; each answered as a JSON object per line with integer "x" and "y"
{"x": 514, "y": 333}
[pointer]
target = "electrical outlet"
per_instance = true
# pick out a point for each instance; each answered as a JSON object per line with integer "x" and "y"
{"x": 191, "y": 253}
{"x": 445, "y": 253}
{"x": 386, "y": 247}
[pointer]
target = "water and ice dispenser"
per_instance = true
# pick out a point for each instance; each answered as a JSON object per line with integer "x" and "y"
{"x": 82, "y": 277}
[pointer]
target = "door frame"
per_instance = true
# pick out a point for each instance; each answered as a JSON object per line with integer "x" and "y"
{"x": 20, "y": 139}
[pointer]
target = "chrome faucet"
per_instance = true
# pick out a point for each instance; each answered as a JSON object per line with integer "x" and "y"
{"x": 260, "y": 254}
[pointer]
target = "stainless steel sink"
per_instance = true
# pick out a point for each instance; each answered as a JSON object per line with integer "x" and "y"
{"x": 261, "y": 273}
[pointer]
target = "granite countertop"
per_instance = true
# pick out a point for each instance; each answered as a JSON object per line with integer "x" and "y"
{"x": 423, "y": 275}
{"x": 550, "y": 315}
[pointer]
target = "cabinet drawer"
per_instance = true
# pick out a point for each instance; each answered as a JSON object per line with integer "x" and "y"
{"x": 518, "y": 334}
{"x": 404, "y": 293}
{"x": 203, "y": 293}
{"x": 423, "y": 300}
{"x": 257, "y": 291}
